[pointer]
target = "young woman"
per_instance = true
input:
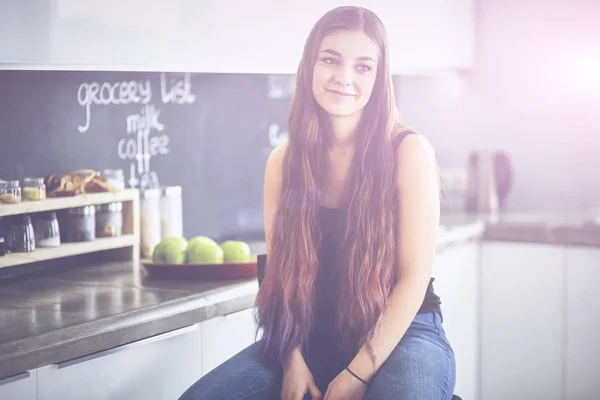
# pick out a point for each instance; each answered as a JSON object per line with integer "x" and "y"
{"x": 351, "y": 203}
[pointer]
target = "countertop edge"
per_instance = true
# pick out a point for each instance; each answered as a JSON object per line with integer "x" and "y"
{"x": 107, "y": 333}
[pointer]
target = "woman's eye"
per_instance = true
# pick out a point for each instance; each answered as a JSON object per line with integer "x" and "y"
{"x": 363, "y": 68}
{"x": 328, "y": 60}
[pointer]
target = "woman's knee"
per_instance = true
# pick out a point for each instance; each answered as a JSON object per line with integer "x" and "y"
{"x": 244, "y": 376}
{"x": 418, "y": 368}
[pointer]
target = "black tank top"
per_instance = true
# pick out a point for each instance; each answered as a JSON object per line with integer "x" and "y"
{"x": 324, "y": 342}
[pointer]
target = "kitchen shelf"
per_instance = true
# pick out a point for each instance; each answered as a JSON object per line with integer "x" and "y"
{"x": 57, "y": 203}
{"x": 66, "y": 250}
{"x": 124, "y": 247}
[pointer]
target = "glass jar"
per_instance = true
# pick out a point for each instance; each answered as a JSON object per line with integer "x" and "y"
{"x": 78, "y": 224}
{"x": 11, "y": 192}
{"x": 149, "y": 221}
{"x": 34, "y": 189}
{"x": 115, "y": 178}
{"x": 109, "y": 219}
{"x": 45, "y": 227}
{"x": 22, "y": 237}
{"x": 171, "y": 219}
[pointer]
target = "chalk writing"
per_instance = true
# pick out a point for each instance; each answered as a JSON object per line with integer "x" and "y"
{"x": 140, "y": 145}
{"x": 111, "y": 93}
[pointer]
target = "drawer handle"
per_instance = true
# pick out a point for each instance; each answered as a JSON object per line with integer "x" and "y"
{"x": 15, "y": 378}
{"x": 127, "y": 346}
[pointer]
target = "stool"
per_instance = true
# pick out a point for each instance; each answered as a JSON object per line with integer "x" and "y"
{"x": 262, "y": 261}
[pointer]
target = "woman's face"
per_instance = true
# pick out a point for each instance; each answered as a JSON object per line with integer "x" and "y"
{"x": 344, "y": 73}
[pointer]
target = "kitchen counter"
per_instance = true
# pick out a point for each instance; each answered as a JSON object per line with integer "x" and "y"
{"x": 70, "y": 313}
{"x": 576, "y": 228}
{"x": 76, "y": 312}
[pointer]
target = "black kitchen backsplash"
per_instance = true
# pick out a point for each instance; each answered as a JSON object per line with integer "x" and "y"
{"x": 209, "y": 133}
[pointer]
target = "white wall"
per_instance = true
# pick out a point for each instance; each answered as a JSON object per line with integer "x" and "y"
{"x": 233, "y": 36}
{"x": 534, "y": 91}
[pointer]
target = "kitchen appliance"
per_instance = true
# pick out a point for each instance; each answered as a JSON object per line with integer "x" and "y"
{"x": 489, "y": 179}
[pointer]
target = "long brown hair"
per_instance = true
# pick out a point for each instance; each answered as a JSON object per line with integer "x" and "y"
{"x": 286, "y": 297}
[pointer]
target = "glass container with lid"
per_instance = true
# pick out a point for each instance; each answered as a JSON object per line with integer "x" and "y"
{"x": 47, "y": 233}
{"x": 115, "y": 178}
{"x": 78, "y": 224}
{"x": 11, "y": 192}
{"x": 34, "y": 189}
{"x": 22, "y": 237}
{"x": 109, "y": 219}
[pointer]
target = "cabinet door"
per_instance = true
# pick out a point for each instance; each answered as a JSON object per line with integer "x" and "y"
{"x": 583, "y": 324}
{"x": 522, "y": 339}
{"x": 158, "y": 368}
{"x": 19, "y": 387}
{"x": 456, "y": 272}
{"x": 225, "y": 336}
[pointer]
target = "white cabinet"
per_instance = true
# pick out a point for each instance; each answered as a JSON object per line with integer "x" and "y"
{"x": 522, "y": 322}
{"x": 157, "y": 368}
{"x": 233, "y": 36}
{"x": 19, "y": 387}
{"x": 225, "y": 336}
{"x": 456, "y": 271}
{"x": 583, "y": 324}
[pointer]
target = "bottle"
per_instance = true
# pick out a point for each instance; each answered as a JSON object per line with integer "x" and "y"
{"x": 150, "y": 234}
{"x": 171, "y": 218}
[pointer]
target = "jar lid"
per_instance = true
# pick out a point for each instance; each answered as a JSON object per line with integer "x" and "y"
{"x": 33, "y": 181}
{"x": 171, "y": 191}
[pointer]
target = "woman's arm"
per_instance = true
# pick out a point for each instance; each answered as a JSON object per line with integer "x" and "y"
{"x": 419, "y": 216}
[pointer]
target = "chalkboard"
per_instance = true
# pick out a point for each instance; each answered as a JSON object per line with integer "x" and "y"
{"x": 209, "y": 133}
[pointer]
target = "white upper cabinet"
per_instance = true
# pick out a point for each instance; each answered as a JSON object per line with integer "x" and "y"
{"x": 233, "y": 36}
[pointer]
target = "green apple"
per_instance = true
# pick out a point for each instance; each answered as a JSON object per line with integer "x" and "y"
{"x": 236, "y": 251}
{"x": 204, "y": 250}
{"x": 170, "y": 251}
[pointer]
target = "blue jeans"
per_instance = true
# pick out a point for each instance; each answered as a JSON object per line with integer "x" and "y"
{"x": 422, "y": 366}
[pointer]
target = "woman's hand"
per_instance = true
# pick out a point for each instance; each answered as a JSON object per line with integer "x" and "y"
{"x": 298, "y": 380}
{"x": 345, "y": 387}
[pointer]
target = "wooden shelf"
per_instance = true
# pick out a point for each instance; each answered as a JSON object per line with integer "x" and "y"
{"x": 57, "y": 203}
{"x": 67, "y": 249}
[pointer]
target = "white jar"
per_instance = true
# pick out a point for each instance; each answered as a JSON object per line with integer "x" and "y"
{"x": 149, "y": 221}
{"x": 171, "y": 212}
